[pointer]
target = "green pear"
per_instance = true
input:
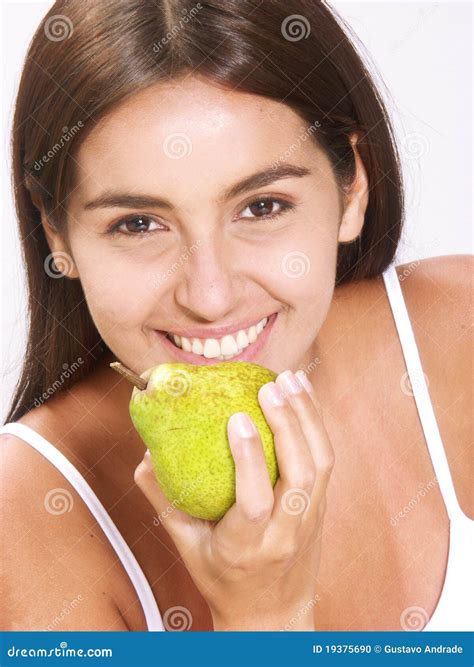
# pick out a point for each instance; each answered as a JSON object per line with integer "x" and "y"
{"x": 182, "y": 417}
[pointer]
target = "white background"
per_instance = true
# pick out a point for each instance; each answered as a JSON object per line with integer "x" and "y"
{"x": 421, "y": 55}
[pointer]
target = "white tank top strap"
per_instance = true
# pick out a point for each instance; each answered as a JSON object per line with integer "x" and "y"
{"x": 455, "y": 607}
{"x": 421, "y": 394}
{"x": 74, "y": 477}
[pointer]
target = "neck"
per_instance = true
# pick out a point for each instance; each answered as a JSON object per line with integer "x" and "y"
{"x": 105, "y": 396}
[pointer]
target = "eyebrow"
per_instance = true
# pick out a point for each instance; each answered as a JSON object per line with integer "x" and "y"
{"x": 258, "y": 180}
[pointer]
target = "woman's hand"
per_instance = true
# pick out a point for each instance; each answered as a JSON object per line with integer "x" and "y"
{"x": 257, "y": 566}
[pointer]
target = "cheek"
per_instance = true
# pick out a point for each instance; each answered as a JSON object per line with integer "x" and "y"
{"x": 304, "y": 266}
{"x": 117, "y": 292}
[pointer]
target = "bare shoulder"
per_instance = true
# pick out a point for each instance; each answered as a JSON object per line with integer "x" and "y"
{"x": 438, "y": 294}
{"x": 53, "y": 553}
{"x": 439, "y": 282}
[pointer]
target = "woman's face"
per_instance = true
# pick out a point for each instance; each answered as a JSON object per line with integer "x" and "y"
{"x": 171, "y": 231}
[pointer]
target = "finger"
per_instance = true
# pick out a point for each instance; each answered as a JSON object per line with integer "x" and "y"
{"x": 253, "y": 487}
{"x": 181, "y": 526}
{"x": 303, "y": 378}
{"x": 296, "y": 466}
{"x": 308, "y": 386}
{"x": 300, "y": 394}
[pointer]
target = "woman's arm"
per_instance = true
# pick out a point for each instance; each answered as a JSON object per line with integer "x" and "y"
{"x": 51, "y": 575}
{"x": 257, "y": 567}
{"x": 439, "y": 298}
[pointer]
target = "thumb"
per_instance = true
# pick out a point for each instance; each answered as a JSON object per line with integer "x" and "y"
{"x": 181, "y": 526}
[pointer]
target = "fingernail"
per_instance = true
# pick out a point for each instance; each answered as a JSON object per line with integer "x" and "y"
{"x": 290, "y": 382}
{"x": 273, "y": 395}
{"x": 301, "y": 375}
{"x": 242, "y": 426}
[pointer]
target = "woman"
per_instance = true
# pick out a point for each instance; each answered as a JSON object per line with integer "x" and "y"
{"x": 184, "y": 173}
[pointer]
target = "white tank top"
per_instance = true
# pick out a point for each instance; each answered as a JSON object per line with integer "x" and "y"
{"x": 455, "y": 607}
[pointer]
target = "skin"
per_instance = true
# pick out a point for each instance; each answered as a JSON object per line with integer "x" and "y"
{"x": 229, "y": 279}
{"x": 226, "y": 280}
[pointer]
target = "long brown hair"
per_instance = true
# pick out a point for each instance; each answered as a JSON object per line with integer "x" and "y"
{"x": 88, "y": 56}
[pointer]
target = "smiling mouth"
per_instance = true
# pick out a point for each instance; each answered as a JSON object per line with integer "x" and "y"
{"x": 223, "y": 349}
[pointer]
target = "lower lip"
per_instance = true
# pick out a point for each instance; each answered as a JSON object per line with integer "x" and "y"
{"x": 250, "y": 352}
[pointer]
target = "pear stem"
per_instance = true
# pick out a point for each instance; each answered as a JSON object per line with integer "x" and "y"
{"x": 129, "y": 375}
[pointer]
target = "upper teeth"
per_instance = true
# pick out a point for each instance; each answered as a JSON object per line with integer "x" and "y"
{"x": 223, "y": 348}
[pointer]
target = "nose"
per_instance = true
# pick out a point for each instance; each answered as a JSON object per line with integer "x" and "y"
{"x": 207, "y": 287}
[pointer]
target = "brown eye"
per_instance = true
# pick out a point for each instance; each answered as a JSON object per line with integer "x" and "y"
{"x": 136, "y": 225}
{"x": 264, "y": 208}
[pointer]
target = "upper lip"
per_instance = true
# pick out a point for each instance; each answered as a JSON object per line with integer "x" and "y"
{"x": 216, "y": 332}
